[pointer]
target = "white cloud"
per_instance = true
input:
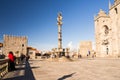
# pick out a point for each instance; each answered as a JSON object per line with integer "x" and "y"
{"x": 70, "y": 45}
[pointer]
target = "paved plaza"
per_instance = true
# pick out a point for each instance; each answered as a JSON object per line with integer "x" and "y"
{"x": 82, "y": 69}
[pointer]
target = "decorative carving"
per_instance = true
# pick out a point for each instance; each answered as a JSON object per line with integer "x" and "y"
{"x": 59, "y": 19}
{"x": 105, "y": 42}
{"x": 59, "y": 23}
{"x": 106, "y": 31}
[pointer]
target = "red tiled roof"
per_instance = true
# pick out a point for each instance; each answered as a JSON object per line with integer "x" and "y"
{"x": 1, "y": 44}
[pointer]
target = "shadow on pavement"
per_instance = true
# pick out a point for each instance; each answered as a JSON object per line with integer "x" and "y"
{"x": 27, "y": 75}
{"x": 28, "y": 72}
{"x": 66, "y": 76}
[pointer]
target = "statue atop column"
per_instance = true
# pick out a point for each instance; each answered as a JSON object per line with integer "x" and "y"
{"x": 59, "y": 23}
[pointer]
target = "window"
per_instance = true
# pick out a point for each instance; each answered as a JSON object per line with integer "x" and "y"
{"x": 116, "y": 10}
{"x": 30, "y": 52}
{"x": 22, "y": 45}
{"x": 106, "y": 29}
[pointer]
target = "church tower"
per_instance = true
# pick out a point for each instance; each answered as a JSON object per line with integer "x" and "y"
{"x": 107, "y": 31}
{"x": 102, "y": 27}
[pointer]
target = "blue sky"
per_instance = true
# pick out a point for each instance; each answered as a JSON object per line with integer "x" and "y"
{"x": 37, "y": 20}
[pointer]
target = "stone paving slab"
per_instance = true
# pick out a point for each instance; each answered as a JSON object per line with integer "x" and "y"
{"x": 83, "y": 69}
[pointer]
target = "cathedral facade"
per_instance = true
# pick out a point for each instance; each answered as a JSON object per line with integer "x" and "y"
{"x": 107, "y": 31}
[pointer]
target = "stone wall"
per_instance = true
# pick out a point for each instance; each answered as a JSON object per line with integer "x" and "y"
{"x": 16, "y": 44}
{"x": 85, "y": 46}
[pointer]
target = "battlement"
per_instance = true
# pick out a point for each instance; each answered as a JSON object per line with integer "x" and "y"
{"x": 16, "y": 44}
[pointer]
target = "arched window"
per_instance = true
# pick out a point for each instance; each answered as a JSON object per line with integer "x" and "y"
{"x": 106, "y": 29}
{"x": 116, "y": 10}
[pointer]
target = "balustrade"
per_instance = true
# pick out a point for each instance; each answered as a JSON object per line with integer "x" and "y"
{"x": 3, "y": 67}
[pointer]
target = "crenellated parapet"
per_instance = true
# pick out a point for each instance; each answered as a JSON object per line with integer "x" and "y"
{"x": 16, "y": 44}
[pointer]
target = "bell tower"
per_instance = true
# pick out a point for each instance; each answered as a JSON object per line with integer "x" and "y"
{"x": 102, "y": 27}
{"x": 107, "y": 31}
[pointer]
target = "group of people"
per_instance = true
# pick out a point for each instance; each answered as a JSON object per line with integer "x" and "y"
{"x": 92, "y": 54}
{"x": 12, "y": 60}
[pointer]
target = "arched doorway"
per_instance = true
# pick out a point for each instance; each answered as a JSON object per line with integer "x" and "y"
{"x": 105, "y": 40}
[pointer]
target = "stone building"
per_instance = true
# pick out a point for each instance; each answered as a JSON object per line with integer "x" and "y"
{"x": 1, "y": 48}
{"x": 16, "y": 44}
{"x": 107, "y": 31}
{"x": 65, "y": 52}
{"x": 31, "y": 52}
{"x": 85, "y": 46}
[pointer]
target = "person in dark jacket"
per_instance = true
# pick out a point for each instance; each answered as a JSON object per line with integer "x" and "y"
{"x": 11, "y": 62}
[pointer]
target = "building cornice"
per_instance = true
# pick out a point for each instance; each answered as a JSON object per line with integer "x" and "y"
{"x": 114, "y": 5}
{"x": 97, "y": 17}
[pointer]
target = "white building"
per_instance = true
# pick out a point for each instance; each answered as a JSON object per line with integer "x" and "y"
{"x": 31, "y": 52}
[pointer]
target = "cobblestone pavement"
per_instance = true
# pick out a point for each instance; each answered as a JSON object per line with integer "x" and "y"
{"x": 83, "y": 69}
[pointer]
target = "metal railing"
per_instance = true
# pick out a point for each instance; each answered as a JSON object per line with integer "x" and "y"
{"x": 3, "y": 67}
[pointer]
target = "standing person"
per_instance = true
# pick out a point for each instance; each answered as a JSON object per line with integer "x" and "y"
{"x": 11, "y": 62}
{"x": 79, "y": 55}
{"x": 27, "y": 57}
{"x": 22, "y": 57}
{"x": 89, "y": 53}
